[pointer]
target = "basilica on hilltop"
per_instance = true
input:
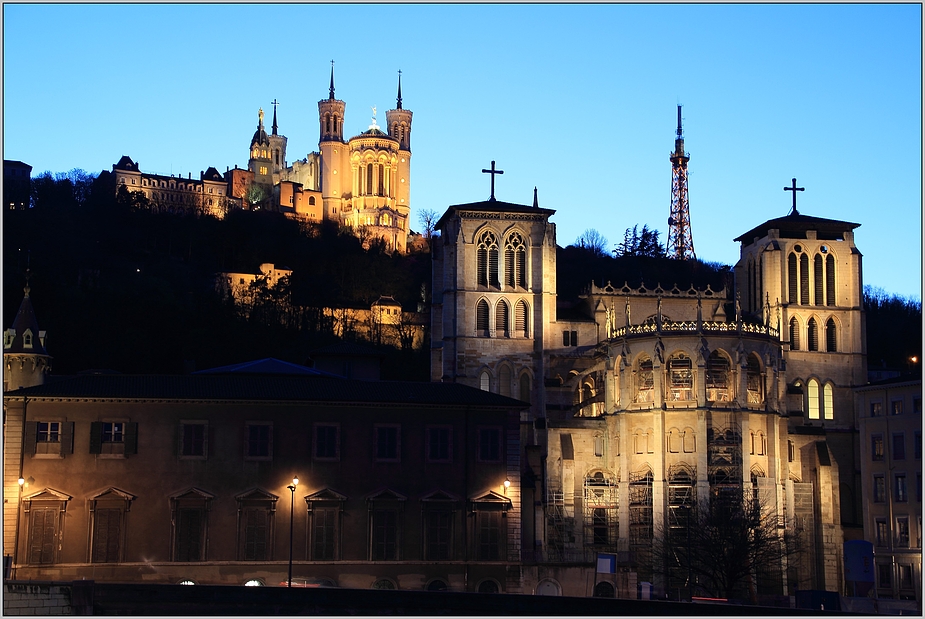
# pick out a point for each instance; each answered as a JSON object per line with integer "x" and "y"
{"x": 363, "y": 181}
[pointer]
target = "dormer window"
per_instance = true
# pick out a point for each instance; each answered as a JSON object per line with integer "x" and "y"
{"x": 9, "y": 336}
{"x": 27, "y": 339}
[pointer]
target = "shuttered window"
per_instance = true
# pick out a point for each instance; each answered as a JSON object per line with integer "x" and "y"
{"x": 43, "y": 534}
{"x": 256, "y": 533}
{"x": 189, "y": 530}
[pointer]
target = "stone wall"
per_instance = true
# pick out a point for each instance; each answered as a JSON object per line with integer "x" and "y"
{"x": 37, "y": 599}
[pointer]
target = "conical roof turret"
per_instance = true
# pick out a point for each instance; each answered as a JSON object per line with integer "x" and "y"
{"x": 24, "y": 335}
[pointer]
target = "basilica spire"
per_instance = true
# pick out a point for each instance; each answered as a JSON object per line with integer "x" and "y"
{"x": 275, "y": 103}
{"x": 331, "y": 91}
{"x": 398, "y": 106}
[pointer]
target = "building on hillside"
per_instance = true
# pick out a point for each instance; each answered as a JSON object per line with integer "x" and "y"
{"x": 363, "y": 182}
{"x": 183, "y": 479}
{"x": 648, "y": 401}
{"x": 17, "y": 185}
{"x": 238, "y": 285}
{"x": 890, "y": 419}
{"x": 206, "y": 195}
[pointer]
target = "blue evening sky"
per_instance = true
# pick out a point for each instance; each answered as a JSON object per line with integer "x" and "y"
{"x": 577, "y": 100}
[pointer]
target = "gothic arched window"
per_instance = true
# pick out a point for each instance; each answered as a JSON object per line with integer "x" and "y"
{"x": 831, "y": 343}
{"x": 794, "y": 334}
{"x": 487, "y": 258}
{"x": 515, "y": 261}
{"x": 812, "y": 396}
{"x": 504, "y": 380}
{"x": 680, "y": 378}
{"x": 753, "y": 382}
{"x": 818, "y": 279}
{"x": 828, "y": 409}
{"x": 804, "y": 279}
{"x": 830, "y": 279}
{"x": 792, "y": 278}
{"x": 502, "y": 318}
{"x": 718, "y": 378}
{"x": 525, "y": 387}
{"x": 812, "y": 334}
{"x": 644, "y": 381}
{"x": 481, "y": 317}
{"x": 485, "y": 381}
{"x": 520, "y": 319}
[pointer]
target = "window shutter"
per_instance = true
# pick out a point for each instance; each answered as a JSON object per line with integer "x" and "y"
{"x": 67, "y": 437}
{"x": 96, "y": 437}
{"x": 131, "y": 438}
{"x": 31, "y": 430}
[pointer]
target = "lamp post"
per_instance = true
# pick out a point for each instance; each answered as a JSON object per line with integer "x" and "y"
{"x": 295, "y": 482}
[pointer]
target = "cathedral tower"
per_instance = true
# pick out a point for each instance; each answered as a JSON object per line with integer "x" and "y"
{"x": 399, "y": 127}
{"x": 802, "y": 274}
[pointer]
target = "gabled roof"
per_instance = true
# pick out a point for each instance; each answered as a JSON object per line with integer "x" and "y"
{"x": 794, "y": 226}
{"x": 126, "y": 163}
{"x": 265, "y": 388}
{"x": 491, "y": 206}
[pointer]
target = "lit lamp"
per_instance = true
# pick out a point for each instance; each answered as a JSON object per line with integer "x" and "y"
{"x": 507, "y": 484}
{"x": 295, "y": 482}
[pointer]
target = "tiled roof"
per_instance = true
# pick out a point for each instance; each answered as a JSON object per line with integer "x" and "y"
{"x": 346, "y": 349}
{"x": 265, "y": 366}
{"x": 261, "y": 387}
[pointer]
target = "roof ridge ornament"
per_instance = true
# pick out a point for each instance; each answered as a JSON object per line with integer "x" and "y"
{"x": 373, "y": 125}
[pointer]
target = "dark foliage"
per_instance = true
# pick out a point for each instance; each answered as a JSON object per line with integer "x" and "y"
{"x": 894, "y": 330}
{"x": 118, "y": 286}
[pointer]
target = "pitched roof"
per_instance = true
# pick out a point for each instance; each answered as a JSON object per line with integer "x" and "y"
{"x": 262, "y": 387}
{"x": 794, "y": 226}
{"x": 492, "y": 206}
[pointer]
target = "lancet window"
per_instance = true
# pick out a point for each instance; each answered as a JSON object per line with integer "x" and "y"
{"x": 718, "y": 378}
{"x": 515, "y": 261}
{"x": 753, "y": 380}
{"x": 487, "y": 260}
{"x": 645, "y": 382}
{"x": 680, "y": 378}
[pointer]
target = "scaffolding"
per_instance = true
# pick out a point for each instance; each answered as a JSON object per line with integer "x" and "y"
{"x": 724, "y": 462}
{"x": 601, "y": 513}
{"x": 558, "y": 517}
{"x": 640, "y": 512}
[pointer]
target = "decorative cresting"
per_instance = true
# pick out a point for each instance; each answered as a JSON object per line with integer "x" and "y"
{"x": 665, "y": 325}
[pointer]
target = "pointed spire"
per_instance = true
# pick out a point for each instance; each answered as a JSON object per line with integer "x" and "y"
{"x": 536, "y": 202}
{"x": 398, "y": 106}
{"x": 275, "y": 103}
{"x": 331, "y": 96}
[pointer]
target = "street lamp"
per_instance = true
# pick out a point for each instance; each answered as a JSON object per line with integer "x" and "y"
{"x": 295, "y": 482}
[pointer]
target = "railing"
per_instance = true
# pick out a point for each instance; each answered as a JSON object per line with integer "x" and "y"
{"x": 690, "y": 326}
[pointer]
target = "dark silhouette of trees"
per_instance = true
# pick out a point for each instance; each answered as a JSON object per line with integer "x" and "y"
{"x": 894, "y": 330}
{"x": 727, "y": 547}
{"x": 593, "y": 241}
{"x": 643, "y": 242}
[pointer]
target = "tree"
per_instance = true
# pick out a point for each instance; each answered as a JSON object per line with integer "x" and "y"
{"x": 593, "y": 241}
{"x": 726, "y": 546}
{"x": 428, "y": 219}
{"x": 643, "y": 242}
{"x": 894, "y": 330}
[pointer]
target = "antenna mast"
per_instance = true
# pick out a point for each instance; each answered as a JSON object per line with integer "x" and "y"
{"x": 680, "y": 242}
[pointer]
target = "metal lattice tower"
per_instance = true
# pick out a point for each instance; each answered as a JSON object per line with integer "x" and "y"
{"x": 680, "y": 241}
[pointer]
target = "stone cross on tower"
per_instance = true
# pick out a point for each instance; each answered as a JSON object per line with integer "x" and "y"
{"x": 492, "y": 171}
{"x": 794, "y": 189}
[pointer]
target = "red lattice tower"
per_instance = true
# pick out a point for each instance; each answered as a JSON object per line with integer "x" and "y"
{"x": 680, "y": 242}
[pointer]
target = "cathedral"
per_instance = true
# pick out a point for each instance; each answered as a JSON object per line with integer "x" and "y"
{"x": 653, "y": 401}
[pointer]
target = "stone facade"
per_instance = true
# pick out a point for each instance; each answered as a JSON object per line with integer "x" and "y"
{"x": 647, "y": 400}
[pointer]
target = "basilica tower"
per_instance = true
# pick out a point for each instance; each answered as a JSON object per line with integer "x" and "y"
{"x": 334, "y": 156}
{"x": 399, "y": 127}
{"x": 277, "y": 148}
{"x": 261, "y": 162}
